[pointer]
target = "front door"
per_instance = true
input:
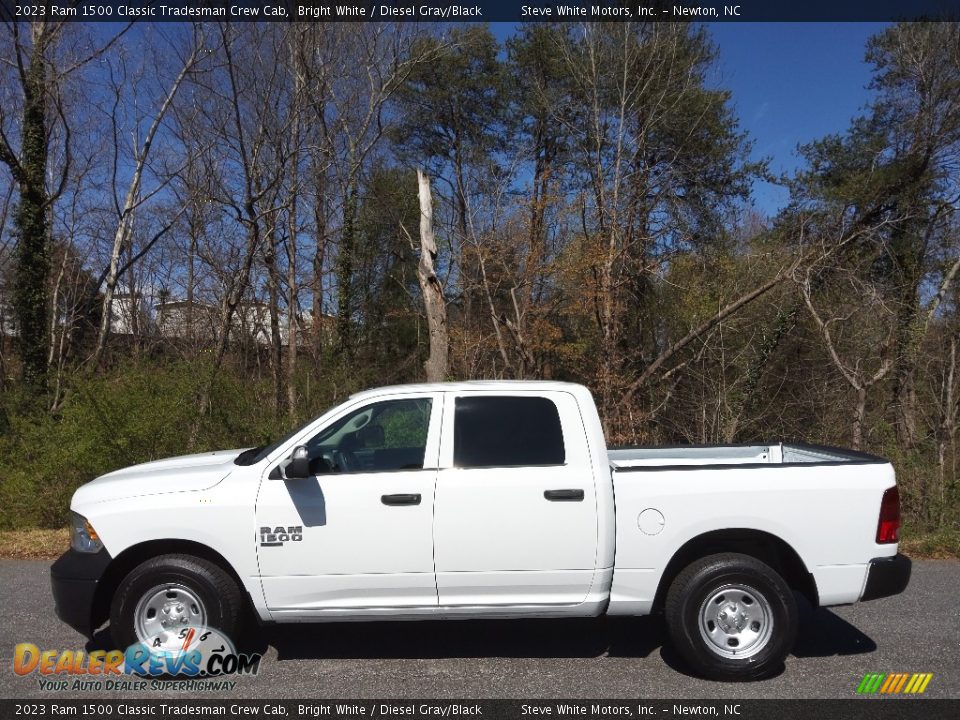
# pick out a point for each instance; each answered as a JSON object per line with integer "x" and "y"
{"x": 358, "y": 532}
{"x": 516, "y": 511}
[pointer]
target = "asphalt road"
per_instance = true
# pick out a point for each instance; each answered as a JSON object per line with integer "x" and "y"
{"x": 918, "y": 631}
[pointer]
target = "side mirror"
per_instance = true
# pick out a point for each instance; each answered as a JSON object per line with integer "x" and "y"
{"x": 299, "y": 466}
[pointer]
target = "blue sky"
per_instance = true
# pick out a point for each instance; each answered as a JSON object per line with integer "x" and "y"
{"x": 792, "y": 83}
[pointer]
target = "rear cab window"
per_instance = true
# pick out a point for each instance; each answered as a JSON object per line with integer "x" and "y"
{"x": 507, "y": 431}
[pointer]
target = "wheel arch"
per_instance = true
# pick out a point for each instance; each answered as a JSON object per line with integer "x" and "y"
{"x": 764, "y": 546}
{"x": 131, "y": 557}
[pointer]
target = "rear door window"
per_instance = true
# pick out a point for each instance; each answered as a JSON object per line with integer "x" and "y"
{"x": 506, "y": 431}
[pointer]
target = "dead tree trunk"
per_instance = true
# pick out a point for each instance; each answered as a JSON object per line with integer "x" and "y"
{"x": 436, "y": 309}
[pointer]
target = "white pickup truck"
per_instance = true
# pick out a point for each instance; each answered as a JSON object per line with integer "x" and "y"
{"x": 484, "y": 499}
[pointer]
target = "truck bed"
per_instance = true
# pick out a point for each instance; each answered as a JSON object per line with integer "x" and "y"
{"x": 823, "y": 502}
{"x": 785, "y": 454}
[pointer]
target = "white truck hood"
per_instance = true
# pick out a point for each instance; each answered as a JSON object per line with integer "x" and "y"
{"x": 176, "y": 474}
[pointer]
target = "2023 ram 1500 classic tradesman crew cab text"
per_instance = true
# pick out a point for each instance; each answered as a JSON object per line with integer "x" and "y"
{"x": 484, "y": 499}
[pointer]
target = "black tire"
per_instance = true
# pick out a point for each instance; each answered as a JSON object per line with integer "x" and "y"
{"x": 706, "y": 579}
{"x": 214, "y": 587}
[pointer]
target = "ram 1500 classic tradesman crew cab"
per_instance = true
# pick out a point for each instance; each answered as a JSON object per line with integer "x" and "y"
{"x": 484, "y": 499}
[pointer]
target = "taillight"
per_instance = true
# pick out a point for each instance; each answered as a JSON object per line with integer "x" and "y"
{"x": 888, "y": 527}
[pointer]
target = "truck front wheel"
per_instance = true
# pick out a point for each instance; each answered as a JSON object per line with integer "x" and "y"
{"x": 731, "y": 617}
{"x": 165, "y": 594}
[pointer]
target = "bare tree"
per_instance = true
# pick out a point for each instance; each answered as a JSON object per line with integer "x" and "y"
{"x": 434, "y": 304}
{"x": 43, "y": 63}
{"x": 859, "y": 377}
{"x": 135, "y": 197}
{"x": 297, "y": 43}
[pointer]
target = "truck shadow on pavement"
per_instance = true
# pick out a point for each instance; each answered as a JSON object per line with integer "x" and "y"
{"x": 434, "y": 639}
{"x": 822, "y": 634}
{"x": 825, "y": 634}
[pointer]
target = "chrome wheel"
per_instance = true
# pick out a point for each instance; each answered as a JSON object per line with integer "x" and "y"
{"x": 736, "y": 621}
{"x": 163, "y": 611}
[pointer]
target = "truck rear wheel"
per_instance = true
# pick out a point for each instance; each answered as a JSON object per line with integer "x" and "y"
{"x": 169, "y": 592}
{"x": 731, "y": 617}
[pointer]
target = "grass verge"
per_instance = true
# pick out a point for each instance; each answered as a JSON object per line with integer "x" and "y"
{"x": 33, "y": 543}
{"x": 939, "y": 545}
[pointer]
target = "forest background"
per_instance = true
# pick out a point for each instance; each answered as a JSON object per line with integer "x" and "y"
{"x": 210, "y": 233}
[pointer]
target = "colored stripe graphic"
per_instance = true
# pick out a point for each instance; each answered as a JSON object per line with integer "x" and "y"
{"x": 870, "y": 683}
{"x": 923, "y": 679}
{"x": 894, "y": 683}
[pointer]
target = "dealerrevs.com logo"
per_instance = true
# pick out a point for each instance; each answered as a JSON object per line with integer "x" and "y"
{"x": 203, "y": 659}
{"x": 894, "y": 683}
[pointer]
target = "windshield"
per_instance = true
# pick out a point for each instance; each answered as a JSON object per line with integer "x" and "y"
{"x": 255, "y": 455}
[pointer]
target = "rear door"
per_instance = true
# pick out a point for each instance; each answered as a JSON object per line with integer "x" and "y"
{"x": 515, "y": 510}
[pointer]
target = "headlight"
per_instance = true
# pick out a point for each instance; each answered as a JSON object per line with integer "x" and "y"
{"x": 83, "y": 538}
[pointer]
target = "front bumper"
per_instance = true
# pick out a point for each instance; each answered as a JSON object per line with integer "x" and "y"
{"x": 73, "y": 578}
{"x": 887, "y": 576}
